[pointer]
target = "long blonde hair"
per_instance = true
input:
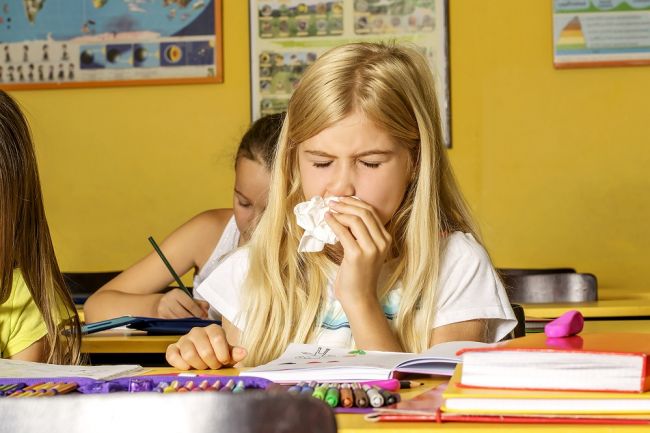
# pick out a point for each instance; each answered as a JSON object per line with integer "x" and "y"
{"x": 25, "y": 241}
{"x": 285, "y": 291}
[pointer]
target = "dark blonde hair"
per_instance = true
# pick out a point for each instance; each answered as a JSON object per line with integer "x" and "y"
{"x": 260, "y": 141}
{"x": 25, "y": 241}
{"x": 285, "y": 292}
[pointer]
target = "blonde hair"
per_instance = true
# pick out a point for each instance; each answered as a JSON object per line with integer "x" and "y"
{"x": 285, "y": 291}
{"x": 25, "y": 241}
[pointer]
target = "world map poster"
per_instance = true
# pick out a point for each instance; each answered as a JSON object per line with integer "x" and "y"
{"x": 74, "y": 43}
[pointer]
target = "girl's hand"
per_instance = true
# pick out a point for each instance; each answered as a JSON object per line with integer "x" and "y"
{"x": 175, "y": 304}
{"x": 204, "y": 348}
{"x": 365, "y": 244}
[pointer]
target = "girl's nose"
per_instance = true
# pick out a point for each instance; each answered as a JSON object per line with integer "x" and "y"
{"x": 342, "y": 183}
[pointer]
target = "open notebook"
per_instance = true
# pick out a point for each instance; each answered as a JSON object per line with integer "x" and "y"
{"x": 307, "y": 362}
{"x": 10, "y": 368}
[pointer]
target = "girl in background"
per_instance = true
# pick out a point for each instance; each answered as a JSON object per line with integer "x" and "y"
{"x": 409, "y": 270}
{"x": 35, "y": 306}
{"x": 199, "y": 243}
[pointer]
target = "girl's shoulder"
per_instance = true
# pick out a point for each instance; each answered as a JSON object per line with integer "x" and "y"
{"x": 211, "y": 219}
{"x": 462, "y": 249}
{"x": 19, "y": 294}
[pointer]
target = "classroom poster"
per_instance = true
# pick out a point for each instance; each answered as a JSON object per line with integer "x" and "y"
{"x": 601, "y": 33}
{"x": 288, "y": 35}
{"x": 71, "y": 43}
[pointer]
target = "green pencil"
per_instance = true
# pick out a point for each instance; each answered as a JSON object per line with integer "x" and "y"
{"x": 169, "y": 267}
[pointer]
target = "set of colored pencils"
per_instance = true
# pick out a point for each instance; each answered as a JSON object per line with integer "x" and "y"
{"x": 175, "y": 386}
{"x": 346, "y": 395}
{"x": 37, "y": 390}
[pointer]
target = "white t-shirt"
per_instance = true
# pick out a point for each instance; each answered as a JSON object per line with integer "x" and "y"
{"x": 468, "y": 289}
{"x": 228, "y": 242}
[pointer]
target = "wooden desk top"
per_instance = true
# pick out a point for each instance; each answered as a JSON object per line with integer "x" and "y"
{"x": 355, "y": 423}
{"x": 611, "y": 303}
{"x": 126, "y": 342}
{"x": 139, "y": 342}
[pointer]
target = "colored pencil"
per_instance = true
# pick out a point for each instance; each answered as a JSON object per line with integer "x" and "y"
{"x": 169, "y": 267}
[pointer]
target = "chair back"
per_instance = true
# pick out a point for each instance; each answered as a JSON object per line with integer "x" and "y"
{"x": 254, "y": 411}
{"x": 83, "y": 284}
{"x": 520, "y": 329}
{"x": 552, "y": 288}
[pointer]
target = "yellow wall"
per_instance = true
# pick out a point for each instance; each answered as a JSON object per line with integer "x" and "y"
{"x": 118, "y": 164}
{"x": 554, "y": 162}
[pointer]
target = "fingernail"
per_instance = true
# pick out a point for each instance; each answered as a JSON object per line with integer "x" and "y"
{"x": 238, "y": 351}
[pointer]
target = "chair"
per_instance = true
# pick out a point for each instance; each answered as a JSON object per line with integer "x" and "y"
{"x": 83, "y": 284}
{"x": 508, "y": 273}
{"x": 270, "y": 412}
{"x": 520, "y": 329}
{"x": 565, "y": 287}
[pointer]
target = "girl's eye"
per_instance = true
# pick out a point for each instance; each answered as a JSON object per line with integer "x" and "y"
{"x": 371, "y": 164}
{"x": 322, "y": 164}
{"x": 243, "y": 204}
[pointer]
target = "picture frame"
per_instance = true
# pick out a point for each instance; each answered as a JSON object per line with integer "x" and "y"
{"x": 90, "y": 43}
{"x": 286, "y": 36}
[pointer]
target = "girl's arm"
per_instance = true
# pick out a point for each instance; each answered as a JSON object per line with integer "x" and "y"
{"x": 365, "y": 244}
{"x": 211, "y": 347}
{"x": 136, "y": 291}
{"x": 471, "y": 330}
{"x": 34, "y": 353}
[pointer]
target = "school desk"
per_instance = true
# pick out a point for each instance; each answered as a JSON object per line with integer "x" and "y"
{"x": 138, "y": 342}
{"x": 126, "y": 341}
{"x": 611, "y": 303}
{"x": 353, "y": 423}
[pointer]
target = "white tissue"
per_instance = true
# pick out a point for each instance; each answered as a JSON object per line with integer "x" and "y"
{"x": 310, "y": 215}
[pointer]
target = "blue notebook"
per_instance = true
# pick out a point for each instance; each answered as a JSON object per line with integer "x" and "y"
{"x": 153, "y": 325}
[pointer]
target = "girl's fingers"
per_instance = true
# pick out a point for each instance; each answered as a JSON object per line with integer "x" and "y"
{"x": 218, "y": 344}
{"x": 358, "y": 229}
{"x": 190, "y": 355}
{"x": 189, "y": 304}
{"x": 204, "y": 305}
{"x": 367, "y": 214}
{"x": 174, "y": 358}
{"x": 349, "y": 243}
{"x": 197, "y": 349}
{"x": 238, "y": 354}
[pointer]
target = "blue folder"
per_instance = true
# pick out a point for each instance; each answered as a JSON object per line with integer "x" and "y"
{"x": 153, "y": 326}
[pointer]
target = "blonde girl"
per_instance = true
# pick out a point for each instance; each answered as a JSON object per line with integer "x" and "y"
{"x": 35, "y": 307}
{"x": 409, "y": 270}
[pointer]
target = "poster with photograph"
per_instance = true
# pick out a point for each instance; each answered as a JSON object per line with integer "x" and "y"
{"x": 589, "y": 33}
{"x": 74, "y": 43}
{"x": 287, "y": 36}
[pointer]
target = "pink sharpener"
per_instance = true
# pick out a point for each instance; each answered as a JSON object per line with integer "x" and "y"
{"x": 569, "y": 323}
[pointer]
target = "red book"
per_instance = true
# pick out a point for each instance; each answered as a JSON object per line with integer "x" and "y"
{"x": 611, "y": 362}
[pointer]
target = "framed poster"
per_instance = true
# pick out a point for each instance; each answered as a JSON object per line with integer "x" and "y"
{"x": 589, "y": 33}
{"x": 289, "y": 35}
{"x": 77, "y": 43}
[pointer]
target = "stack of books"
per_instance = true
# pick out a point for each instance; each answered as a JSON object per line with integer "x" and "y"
{"x": 585, "y": 379}
{"x": 588, "y": 378}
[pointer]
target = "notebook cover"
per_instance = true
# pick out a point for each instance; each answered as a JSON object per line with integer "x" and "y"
{"x": 614, "y": 343}
{"x": 454, "y": 391}
{"x": 152, "y": 325}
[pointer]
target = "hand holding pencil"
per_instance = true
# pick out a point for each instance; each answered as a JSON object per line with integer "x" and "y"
{"x": 175, "y": 304}
{"x": 178, "y": 303}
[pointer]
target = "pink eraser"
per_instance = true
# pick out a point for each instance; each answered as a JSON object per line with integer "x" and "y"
{"x": 569, "y": 323}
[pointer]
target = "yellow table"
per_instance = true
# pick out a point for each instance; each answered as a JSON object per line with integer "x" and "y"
{"x": 126, "y": 342}
{"x": 611, "y": 303}
{"x": 351, "y": 423}
{"x": 139, "y": 342}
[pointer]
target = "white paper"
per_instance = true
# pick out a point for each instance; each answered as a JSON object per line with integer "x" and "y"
{"x": 310, "y": 215}
{"x": 307, "y": 362}
{"x": 11, "y": 368}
